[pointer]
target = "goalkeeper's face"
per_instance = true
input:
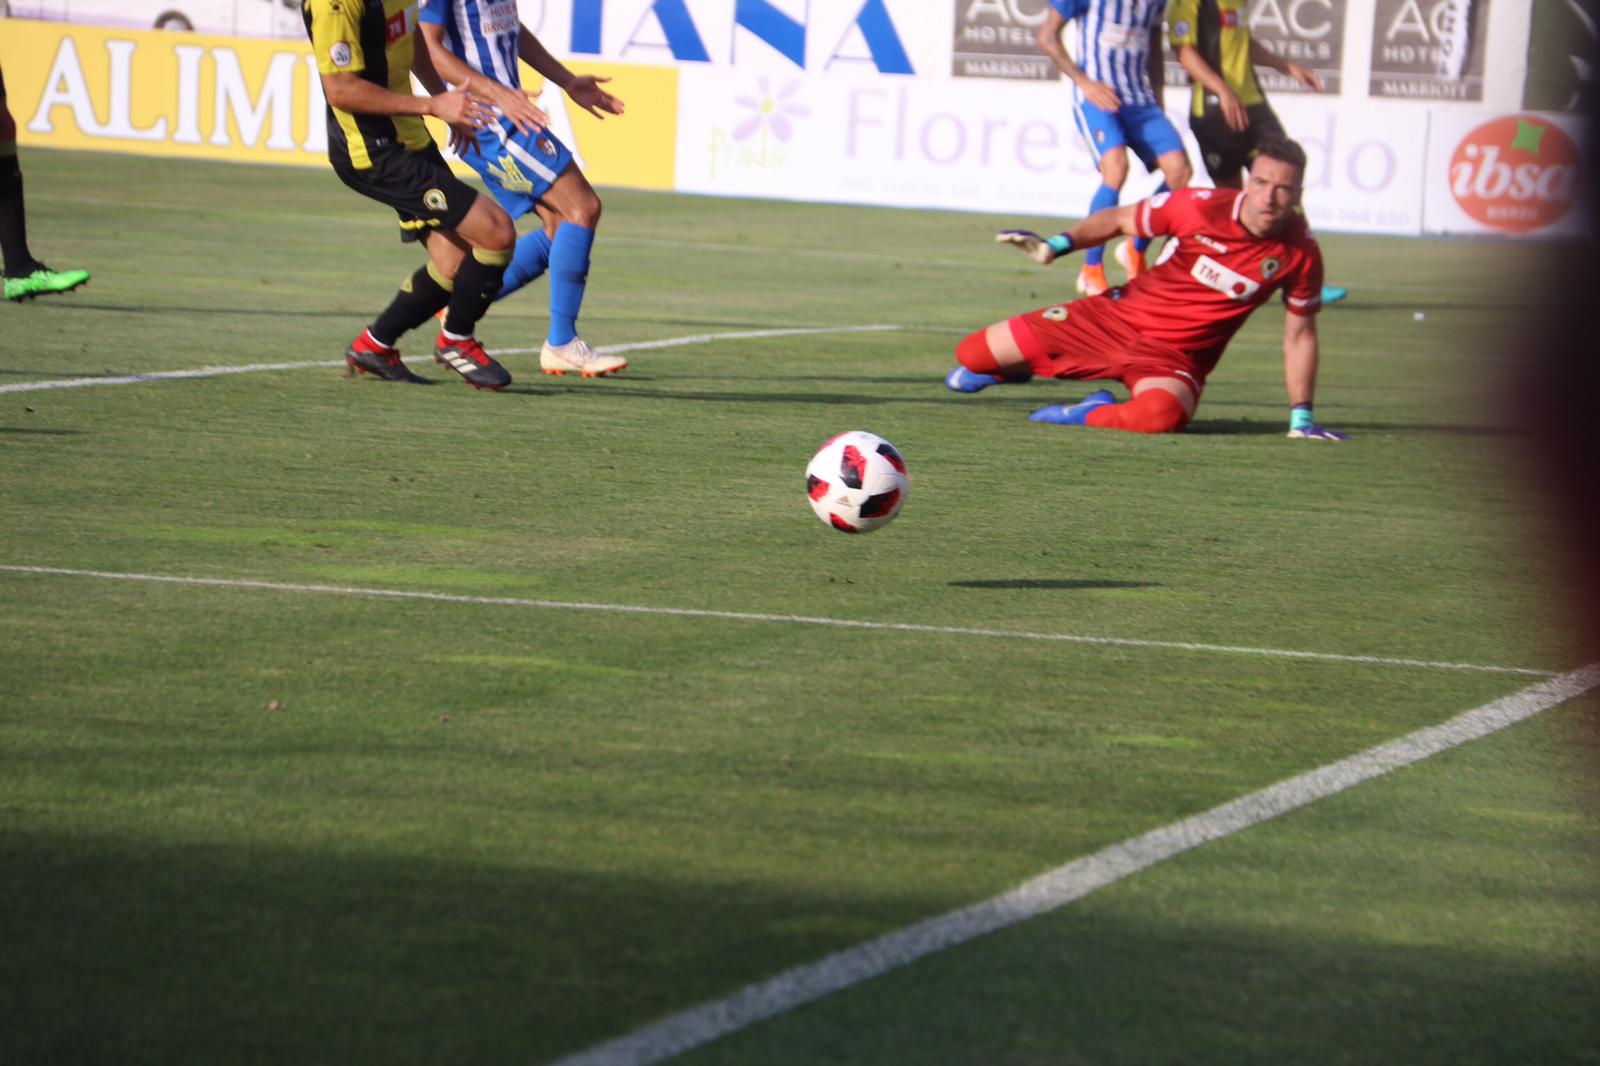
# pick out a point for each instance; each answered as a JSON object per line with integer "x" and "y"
{"x": 1271, "y": 193}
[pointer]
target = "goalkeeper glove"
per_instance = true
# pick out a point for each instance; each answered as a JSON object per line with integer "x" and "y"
{"x": 1042, "y": 250}
{"x": 1302, "y": 426}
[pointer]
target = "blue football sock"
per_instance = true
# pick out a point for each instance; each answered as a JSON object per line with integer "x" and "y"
{"x": 1141, "y": 243}
{"x": 529, "y": 261}
{"x": 1105, "y": 196}
{"x": 569, "y": 274}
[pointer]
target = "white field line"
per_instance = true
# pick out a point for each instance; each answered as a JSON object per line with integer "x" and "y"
{"x": 791, "y": 619}
{"x": 1065, "y": 884}
{"x": 257, "y": 368}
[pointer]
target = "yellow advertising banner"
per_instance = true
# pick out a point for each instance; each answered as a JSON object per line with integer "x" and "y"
{"x": 260, "y": 101}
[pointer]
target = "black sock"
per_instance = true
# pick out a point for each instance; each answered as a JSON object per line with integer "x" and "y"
{"x": 419, "y": 299}
{"x": 477, "y": 284}
{"x": 19, "y": 263}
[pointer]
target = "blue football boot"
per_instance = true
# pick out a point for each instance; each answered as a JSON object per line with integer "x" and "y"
{"x": 1060, "y": 414}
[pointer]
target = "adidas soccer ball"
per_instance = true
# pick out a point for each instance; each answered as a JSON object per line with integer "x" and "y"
{"x": 857, "y": 482}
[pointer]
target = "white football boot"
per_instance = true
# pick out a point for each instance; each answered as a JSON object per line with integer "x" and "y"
{"x": 577, "y": 357}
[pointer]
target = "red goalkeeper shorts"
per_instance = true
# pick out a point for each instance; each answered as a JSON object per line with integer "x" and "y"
{"x": 1085, "y": 340}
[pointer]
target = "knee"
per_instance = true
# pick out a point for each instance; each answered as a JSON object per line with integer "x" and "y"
{"x": 1180, "y": 174}
{"x": 502, "y": 235}
{"x": 1114, "y": 169}
{"x": 974, "y": 353}
{"x": 1160, "y": 412}
{"x": 1152, "y": 411}
{"x": 587, "y": 211}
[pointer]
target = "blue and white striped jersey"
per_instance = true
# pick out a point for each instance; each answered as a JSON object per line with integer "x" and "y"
{"x": 482, "y": 33}
{"x": 1114, "y": 43}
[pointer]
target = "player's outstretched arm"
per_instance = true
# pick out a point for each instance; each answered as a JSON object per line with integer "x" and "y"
{"x": 512, "y": 103}
{"x": 462, "y": 137}
{"x": 1233, "y": 112}
{"x": 1097, "y": 229}
{"x": 1262, "y": 56}
{"x": 583, "y": 89}
{"x": 358, "y": 96}
{"x": 1048, "y": 38}
{"x": 1300, "y": 356}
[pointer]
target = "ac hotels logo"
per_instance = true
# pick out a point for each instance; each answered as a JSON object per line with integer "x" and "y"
{"x": 1516, "y": 173}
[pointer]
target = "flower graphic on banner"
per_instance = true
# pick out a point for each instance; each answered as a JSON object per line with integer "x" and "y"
{"x": 772, "y": 112}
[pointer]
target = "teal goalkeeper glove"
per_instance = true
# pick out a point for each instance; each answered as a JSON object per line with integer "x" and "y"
{"x": 1042, "y": 250}
{"x": 1302, "y": 426}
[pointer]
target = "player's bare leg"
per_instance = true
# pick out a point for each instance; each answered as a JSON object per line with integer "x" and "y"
{"x": 570, "y": 210}
{"x": 473, "y": 260}
{"x": 991, "y": 356}
{"x": 1113, "y": 172}
{"x": 1157, "y": 405}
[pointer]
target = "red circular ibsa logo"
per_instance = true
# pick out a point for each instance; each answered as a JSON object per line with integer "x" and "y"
{"x": 1518, "y": 173}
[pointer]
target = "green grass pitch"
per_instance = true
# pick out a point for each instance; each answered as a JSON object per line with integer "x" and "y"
{"x": 252, "y": 825}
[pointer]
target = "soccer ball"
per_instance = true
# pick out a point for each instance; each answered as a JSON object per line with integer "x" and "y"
{"x": 857, "y": 482}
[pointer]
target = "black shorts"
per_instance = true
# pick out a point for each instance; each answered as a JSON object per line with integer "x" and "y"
{"x": 2, "y": 85}
{"x": 417, "y": 183}
{"x": 1227, "y": 152}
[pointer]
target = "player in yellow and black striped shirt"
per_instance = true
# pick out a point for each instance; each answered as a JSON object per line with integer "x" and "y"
{"x": 1229, "y": 113}
{"x": 366, "y": 53}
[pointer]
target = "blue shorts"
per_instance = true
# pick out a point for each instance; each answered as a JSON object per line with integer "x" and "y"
{"x": 1145, "y": 128}
{"x": 518, "y": 167}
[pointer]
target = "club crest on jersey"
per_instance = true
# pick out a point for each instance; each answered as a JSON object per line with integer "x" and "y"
{"x": 546, "y": 145}
{"x": 340, "y": 54}
{"x": 1232, "y": 284}
{"x": 1269, "y": 267}
{"x": 434, "y": 200}
{"x": 1058, "y": 313}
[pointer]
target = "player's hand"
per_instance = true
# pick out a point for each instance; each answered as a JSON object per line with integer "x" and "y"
{"x": 1305, "y": 76}
{"x": 458, "y": 108}
{"x": 1233, "y": 112}
{"x": 463, "y": 139}
{"x": 1033, "y": 246}
{"x": 1100, "y": 95}
{"x": 518, "y": 107}
{"x": 585, "y": 91}
{"x": 1317, "y": 433}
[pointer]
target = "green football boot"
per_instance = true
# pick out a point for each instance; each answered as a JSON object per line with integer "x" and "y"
{"x": 44, "y": 282}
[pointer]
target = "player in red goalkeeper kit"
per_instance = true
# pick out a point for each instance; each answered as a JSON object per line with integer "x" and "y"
{"x": 1164, "y": 332}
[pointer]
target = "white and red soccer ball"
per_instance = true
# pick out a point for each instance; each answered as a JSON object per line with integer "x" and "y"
{"x": 857, "y": 482}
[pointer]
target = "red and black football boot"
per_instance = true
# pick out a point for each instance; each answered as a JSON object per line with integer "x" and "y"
{"x": 467, "y": 358}
{"x": 367, "y": 356}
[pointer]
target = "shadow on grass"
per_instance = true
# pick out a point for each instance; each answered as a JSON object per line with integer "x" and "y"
{"x": 146, "y": 950}
{"x": 42, "y": 432}
{"x": 1048, "y": 583}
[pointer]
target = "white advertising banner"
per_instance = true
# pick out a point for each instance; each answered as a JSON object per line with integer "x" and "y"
{"x": 1504, "y": 174}
{"x": 1364, "y": 163}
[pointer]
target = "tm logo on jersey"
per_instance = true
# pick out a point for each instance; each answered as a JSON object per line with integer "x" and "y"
{"x": 1232, "y": 284}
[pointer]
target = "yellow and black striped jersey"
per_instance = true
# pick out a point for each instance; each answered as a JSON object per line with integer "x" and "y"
{"x": 1220, "y": 30}
{"x": 376, "y": 40}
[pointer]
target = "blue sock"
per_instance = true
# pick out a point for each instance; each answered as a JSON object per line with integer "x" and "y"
{"x": 1105, "y": 196}
{"x": 1141, "y": 243}
{"x": 569, "y": 274}
{"x": 531, "y": 257}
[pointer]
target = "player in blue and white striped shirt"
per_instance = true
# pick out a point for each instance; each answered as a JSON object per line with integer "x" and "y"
{"x": 1117, "y": 105}
{"x": 475, "y": 45}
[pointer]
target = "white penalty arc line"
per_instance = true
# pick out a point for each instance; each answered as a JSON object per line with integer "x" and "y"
{"x": 791, "y": 619}
{"x": 1065, "y": 884}
{"x": 258, "y": 368}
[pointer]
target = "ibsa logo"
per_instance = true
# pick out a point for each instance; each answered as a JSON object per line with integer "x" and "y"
{"x": 1517, "y": 173}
